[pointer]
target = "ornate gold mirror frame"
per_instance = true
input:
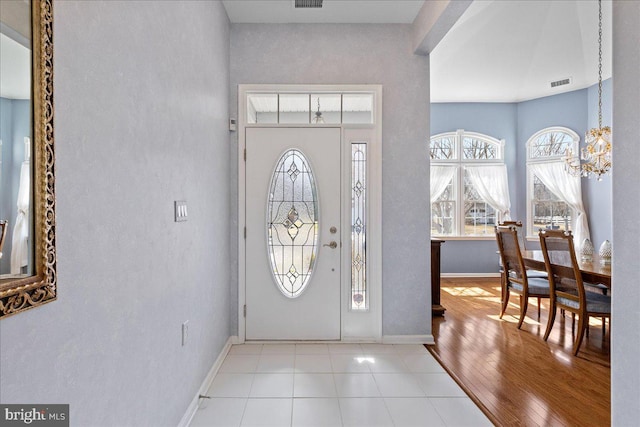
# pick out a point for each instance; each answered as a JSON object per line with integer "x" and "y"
{"x": 17, "y": 295}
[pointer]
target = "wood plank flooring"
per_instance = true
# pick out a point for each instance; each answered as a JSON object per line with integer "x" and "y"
{"x": 520, "y": 379}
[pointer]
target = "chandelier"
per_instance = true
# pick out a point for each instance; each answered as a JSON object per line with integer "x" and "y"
{"x": 596, "y": 156}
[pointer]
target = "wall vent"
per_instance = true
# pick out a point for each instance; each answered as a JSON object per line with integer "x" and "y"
{"x": 561, "y": 82}
{"x": 306, "y": 4}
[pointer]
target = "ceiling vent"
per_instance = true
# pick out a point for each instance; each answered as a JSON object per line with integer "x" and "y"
{"x": 307, "y": 4}
{"x": 561, "y": 82}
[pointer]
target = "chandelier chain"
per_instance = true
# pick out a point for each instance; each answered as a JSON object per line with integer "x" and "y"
{"x": 599, "y": 63}
{"x": 597, "y": 153}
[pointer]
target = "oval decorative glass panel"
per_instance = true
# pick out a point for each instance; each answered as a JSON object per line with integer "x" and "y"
{"x": 292, "y": 223}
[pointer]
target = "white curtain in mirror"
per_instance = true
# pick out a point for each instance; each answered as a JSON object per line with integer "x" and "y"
{"x": 441, "y": 176}
{"x": 490, "y": 181}
{"x": 20, "y": 239}
{"x": 568, "y": 189}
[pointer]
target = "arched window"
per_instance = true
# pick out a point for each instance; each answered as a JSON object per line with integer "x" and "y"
{"x": 548, "y": 205}
{"x": 551, "y": 144}
{"x": 469, "y": 189}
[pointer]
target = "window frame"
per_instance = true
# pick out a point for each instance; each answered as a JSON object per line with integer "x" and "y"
{"x": 306, "y": 117}
{"x": 557, "y": 158}
{"x": 455, "y": 199}
{"x": 458, "y": 178}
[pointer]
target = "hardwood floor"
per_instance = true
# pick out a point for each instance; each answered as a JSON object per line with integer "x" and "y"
{"x": 520, "y": 379}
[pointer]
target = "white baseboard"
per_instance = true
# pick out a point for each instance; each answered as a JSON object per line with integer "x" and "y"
{"x": 193, "y": 406}
{"x": 363, "y": 340}
{"x": 472, "y": 275}
{"x": 408, "y": 339}
{"x": 344, "y": 340}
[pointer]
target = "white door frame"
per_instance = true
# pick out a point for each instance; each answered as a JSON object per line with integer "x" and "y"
{"x": 374, "y": 201}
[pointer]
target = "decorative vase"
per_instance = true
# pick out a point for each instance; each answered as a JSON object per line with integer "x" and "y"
{"x": 586, "y": 251}
{"x": 605, "y": 252}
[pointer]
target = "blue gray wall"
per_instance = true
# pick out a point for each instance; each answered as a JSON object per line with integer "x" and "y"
{"x": 567, "y": 109}
{"x": 141, "y": 110}
{"x": 498, "y": 120}
{"x": 15, "y": 124}
{"x": 360, "y": 54}
{"x": 516, "y": 123}
{"x": 597, "y": 194}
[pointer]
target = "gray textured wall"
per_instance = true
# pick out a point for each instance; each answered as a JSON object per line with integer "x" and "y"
{"x": 625, "y": 333}
{"x": 361, "y": 54}
{"x": 141, "y": 108}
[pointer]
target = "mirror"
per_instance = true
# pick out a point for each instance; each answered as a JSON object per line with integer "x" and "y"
{"x": 27, "y": 198}
{"x": 16, "y": 260}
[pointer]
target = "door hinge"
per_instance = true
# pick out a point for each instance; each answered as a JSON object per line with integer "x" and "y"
{"x": 245, "y": 232}
{"x": 245, "y": 310}
{"x": 245, "y": 154}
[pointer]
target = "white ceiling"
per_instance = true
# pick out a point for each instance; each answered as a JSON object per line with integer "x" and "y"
{"x": 332, "y": 11}
{"x": 499, "y": 51}
{"x": 510, "y": 51}
{"x": 15, "y": 66}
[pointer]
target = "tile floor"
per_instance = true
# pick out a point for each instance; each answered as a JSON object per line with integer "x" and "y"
{"x": 334, "y": 385}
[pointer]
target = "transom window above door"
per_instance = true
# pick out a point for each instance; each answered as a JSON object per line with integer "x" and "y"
{"x": 469, "y": 187}
{"x": 310, "y": 108}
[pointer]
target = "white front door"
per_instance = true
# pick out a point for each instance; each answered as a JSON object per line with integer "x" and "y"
{"x": 293, "y": 233}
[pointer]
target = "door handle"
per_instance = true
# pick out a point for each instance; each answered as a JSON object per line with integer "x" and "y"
{"x": 332, "y": 245}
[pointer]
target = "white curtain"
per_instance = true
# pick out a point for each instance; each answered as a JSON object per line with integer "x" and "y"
{"x": 20, "y": 239}
{"x": 490, "y": 181}
{"x": 440, "y": 178}
{"x": 567, "y": 188}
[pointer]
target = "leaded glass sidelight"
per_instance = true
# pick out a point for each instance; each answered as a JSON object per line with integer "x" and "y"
{"x": 359, "y": 300}
{"x": 292, "y": 223}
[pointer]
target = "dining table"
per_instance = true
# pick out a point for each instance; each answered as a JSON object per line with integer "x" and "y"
{"x": 593, "y": 270}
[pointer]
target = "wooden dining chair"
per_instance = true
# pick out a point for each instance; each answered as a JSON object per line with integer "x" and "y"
{"x": 568, "y": 290}
{"x": 514, "y": 276}
{"x": 522, "y": 240}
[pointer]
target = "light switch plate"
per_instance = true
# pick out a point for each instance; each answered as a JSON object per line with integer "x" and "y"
{"x": 180, "y": 210}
